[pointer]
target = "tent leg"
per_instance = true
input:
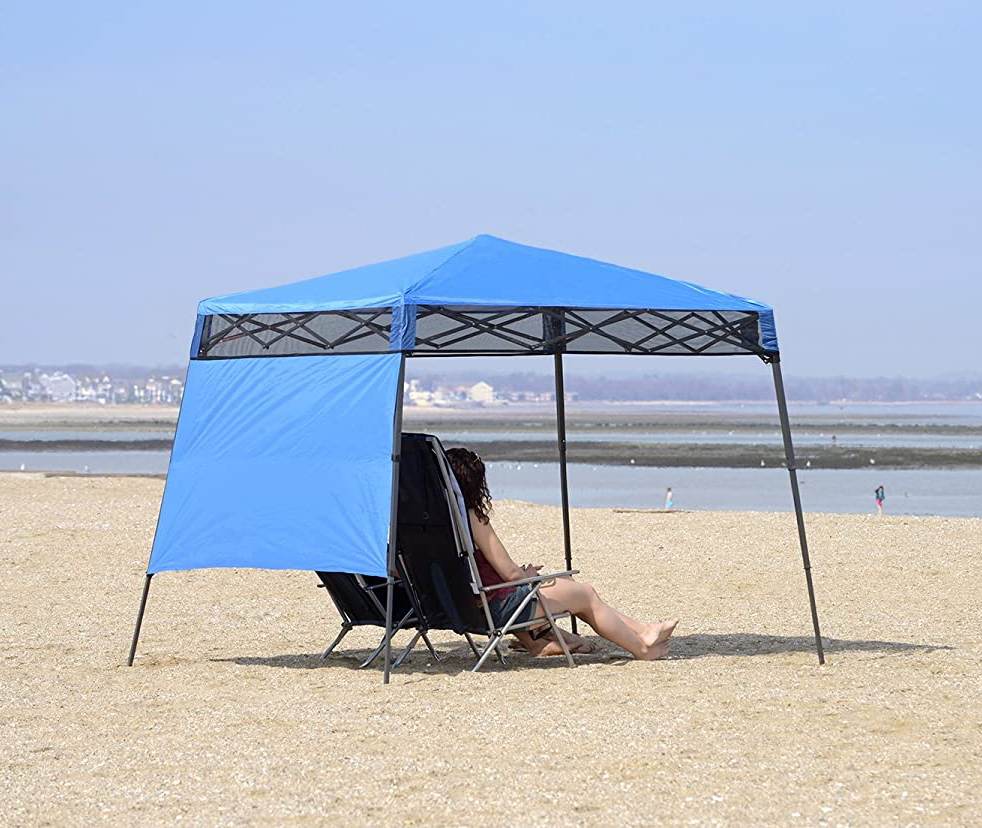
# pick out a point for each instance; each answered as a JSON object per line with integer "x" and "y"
{"x": 393, "y": 518}
{"x": 563, "y": 482}
{"x": 782, "y": 407}
{"x": 139, "y": 619}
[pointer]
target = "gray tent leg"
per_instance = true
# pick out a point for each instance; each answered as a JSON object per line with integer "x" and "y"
{"x": 139, "y": 619}
{"x": 393, "y": 517}
{"x": 563, "y": 482}
{"x": 782, "y": 407}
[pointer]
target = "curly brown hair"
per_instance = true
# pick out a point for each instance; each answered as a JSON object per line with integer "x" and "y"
{"x": 468, "y": 468}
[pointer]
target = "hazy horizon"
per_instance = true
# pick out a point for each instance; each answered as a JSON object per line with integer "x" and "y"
{"x": 825, "y": 161}
{"x": 462, "y": 368}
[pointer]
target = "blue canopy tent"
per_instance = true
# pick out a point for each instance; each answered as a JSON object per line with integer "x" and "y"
{"x": 285, "y": 459}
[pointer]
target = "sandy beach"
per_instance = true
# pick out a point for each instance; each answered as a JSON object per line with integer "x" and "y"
{"x": 230, "y": 715}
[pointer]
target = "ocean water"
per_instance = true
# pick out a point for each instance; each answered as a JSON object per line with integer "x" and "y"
{"x": 762, "y": 436}
{"x": 952, "y": 492}
{"x": 955, "y": 492}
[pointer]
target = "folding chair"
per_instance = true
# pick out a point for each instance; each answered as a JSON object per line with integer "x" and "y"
{"x": 358, "y": 604}
{"x": 436, "y": 556}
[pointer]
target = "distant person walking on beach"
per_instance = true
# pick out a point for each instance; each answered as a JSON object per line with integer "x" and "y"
{"x": 880, "y": 495}
{"x": 668, "y": 499}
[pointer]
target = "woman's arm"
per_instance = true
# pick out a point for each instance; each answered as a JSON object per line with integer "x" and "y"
{"x": 494, "y": 550}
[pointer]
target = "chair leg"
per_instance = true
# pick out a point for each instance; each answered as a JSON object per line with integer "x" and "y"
{"x": 500, "y": 634}
{"x": 429, "y": 646}
{"x": 492, "y": 646}
{"x": 559, "y": 635}
{"x": 344, "y": 631}
{"x": 473, "y": 646}
{"x": 409, "y": 648}
{"x": 375, "y": 654}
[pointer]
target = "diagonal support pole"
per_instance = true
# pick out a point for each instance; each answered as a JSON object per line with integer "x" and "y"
{"x": 139, "y": 619}
{"x": 782, "y": 407}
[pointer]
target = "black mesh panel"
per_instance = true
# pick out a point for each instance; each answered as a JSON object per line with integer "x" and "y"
{"x": 290, "y": 334}
{"x": 470, "y": 330}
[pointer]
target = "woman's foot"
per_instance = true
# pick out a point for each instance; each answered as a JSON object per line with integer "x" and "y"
{"x": 654, "y": 652}
{"x": 576, "y": 644}
{"x": 661, "y": 630}
{"x": 548, "y": 646}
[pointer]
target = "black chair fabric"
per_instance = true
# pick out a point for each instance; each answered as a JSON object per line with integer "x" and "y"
{"x": 439, "y": 575}
{"x": 355, "y": 603}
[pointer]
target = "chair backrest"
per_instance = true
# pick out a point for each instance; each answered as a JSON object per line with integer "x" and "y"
{"x": 437, "y": 568}
{"x": 358, "y": 604}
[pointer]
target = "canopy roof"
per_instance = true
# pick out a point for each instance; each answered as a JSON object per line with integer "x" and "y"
{"x": 485, "y": 295}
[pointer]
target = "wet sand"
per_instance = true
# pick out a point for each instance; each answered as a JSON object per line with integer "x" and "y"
{"x": 230, "y": 715}
{"x": 582, "y": 416}
{"x": 691, "y": 455}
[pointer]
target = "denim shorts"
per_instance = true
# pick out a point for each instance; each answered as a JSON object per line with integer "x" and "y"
{"x": 502, "y": 608}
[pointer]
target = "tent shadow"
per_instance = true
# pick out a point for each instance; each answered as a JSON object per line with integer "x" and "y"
{"x": 459, "y": 659}
{"x": 698, "y": 645}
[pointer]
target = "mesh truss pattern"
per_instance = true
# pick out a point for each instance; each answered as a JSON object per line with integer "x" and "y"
{"x": 474, "y": 331}
{"x": 292, "y": 334}
{"x": 542, "y": 330}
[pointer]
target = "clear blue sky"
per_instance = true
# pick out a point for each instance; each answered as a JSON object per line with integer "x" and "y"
{"x": 825, "y": 160}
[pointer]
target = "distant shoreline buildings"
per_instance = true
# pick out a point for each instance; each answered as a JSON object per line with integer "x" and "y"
{"x": 445, "y": 395}
{"x": 122, "y": 384}
{"x": 100, "y": 389}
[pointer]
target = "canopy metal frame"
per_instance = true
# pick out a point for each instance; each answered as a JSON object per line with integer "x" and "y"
{"x": 441, "y": 331}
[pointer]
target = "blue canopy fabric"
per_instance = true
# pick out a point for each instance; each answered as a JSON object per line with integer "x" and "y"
{"x": 488, "y": 272}
{"x": 285, "y": 461}
{"x": 281, "y": 464}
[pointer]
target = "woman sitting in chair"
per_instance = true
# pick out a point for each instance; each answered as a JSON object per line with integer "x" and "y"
{"x": 646, "y": 641}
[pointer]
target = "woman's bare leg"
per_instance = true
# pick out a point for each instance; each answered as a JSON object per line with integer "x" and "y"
{"x": 566, "y": 595}
{"x": 663, "y": 629}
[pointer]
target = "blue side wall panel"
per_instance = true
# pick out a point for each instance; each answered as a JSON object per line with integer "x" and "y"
{"x": 281, "y": 463}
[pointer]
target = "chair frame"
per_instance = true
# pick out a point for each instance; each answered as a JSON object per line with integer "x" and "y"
{"x": 409, "y": 621}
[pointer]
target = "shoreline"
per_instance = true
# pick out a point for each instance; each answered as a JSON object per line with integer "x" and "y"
{"x": 721, "y": 413}
{"x": 69, "y": 477}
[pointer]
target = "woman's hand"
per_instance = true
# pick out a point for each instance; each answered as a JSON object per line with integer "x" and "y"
{"x": 531, "y": 570}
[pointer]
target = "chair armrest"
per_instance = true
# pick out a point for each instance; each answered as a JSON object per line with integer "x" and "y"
{"x": 538, "y": 579}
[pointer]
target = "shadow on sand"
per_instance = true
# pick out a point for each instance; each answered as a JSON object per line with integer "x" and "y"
{"x": 754, "y": 644}
{"x": 458, "y": 659}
